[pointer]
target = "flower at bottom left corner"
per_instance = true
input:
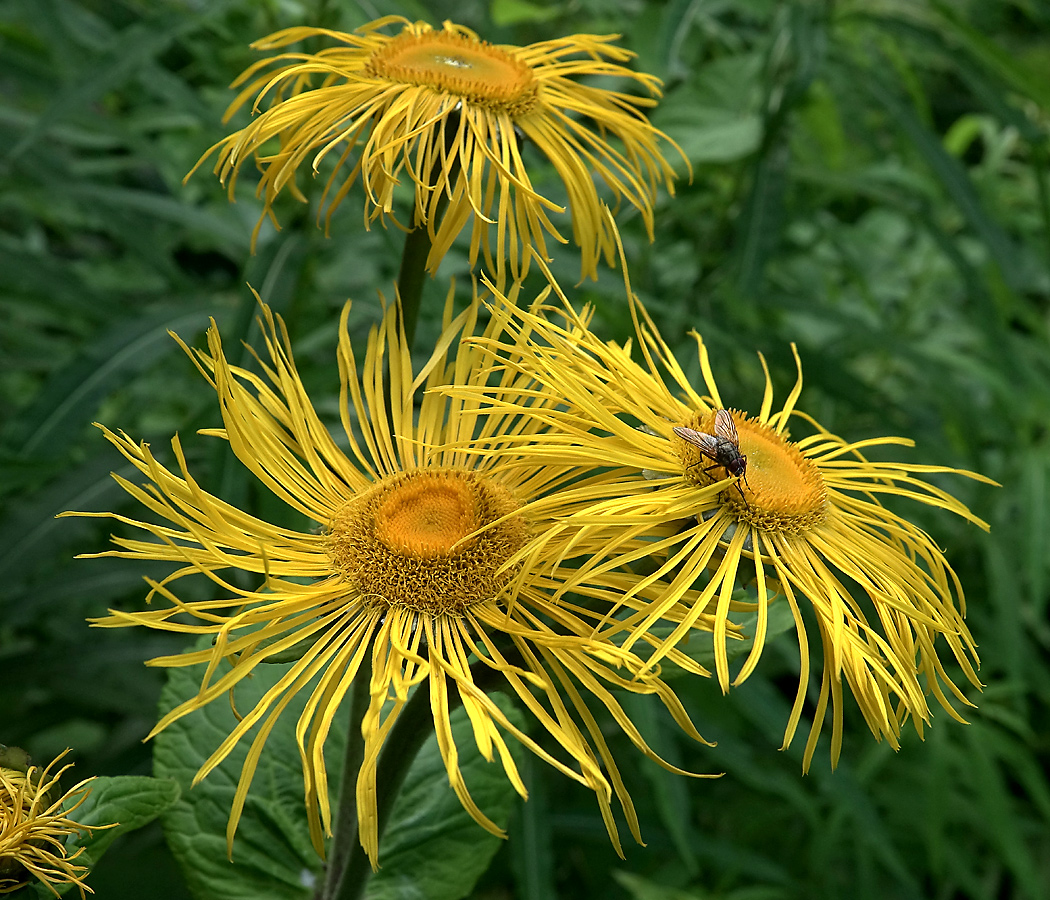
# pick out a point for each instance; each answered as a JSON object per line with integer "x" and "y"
{"x": 35, "y": 823}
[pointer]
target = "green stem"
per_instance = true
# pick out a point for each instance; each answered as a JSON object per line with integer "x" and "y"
{"x": 345, "y": 836}
{"x": 414, "y": 262}
{"x": 411, "y": 277}
{"x": 412, "y": 728}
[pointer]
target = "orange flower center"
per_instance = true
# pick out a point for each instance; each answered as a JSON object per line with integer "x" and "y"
{"x": 418, "y": 540}
{"x": 475, "y": 71}
{"x": 426, "y": 518}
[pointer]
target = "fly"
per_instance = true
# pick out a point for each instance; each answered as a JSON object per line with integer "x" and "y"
{"x": 722, "y": 447}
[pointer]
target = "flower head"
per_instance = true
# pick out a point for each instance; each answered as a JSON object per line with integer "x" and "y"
{"x": 414, "y": 569}
{"x": 450, "y": 112}
{"x": 34, "y": 824}
{"x": 803, "y": 521}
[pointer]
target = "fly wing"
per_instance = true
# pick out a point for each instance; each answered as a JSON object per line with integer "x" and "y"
{"x": 706, "y": 442}
{"x": 725, "y": 427}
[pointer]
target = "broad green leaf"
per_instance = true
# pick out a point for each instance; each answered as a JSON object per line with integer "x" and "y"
{"x": 272, "y": 854}
{"x": 431, "y": 848}
{"x": 130, "y": 801}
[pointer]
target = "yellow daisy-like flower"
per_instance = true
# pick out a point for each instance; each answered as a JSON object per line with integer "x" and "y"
{"x": 34, "y": 826}
{"x": 449, "y": 111}
{"x": 409, "y": 576}
{"x": 805, "y": 523}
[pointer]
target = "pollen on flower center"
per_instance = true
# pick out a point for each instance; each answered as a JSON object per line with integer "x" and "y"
{"x": 410, "y": 541}
{"x": 426, "y": 517}
{"x": 475, "y": 70}
{"x": 784, "y": 492}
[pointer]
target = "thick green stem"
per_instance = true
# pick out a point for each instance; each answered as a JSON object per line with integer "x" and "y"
{"x": 345, "y": 837}
{"x": 410, "y": 731}
{"x": 411, "y": 277}
{"x": 412, "y": 728}
{"x": 414, "y": 261}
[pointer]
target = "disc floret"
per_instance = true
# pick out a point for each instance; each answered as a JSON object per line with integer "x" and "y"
{"x": 459, "y": 65}
{"x": 414, "y": 541}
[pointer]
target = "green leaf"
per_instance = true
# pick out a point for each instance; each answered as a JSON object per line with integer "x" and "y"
{"x": 948, "y": 170}
{"x": 224, "y": 228}
{"x": 708, "y": 135}
{"x": 30, "y": 532}
{"x": 994, "y": 56}
{"x": 762, "y": 219}
{"x": 531, "y": 837}
{"x": 131, "y": 801}
{"x": 997, "y": 806}
{"x": 121, "y": 55}
{"x": 135, "y": 45}
{"x": 127, "y": 801}
{"x": 431, "y": 848}
{"x": 72, "y": 396}
{"x": 672, "y": 799}
{"x": 272, "y": 854}
{"x": 640, "y": 888}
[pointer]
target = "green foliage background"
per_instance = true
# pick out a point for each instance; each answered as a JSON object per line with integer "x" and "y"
{"x": 870, "y": 181}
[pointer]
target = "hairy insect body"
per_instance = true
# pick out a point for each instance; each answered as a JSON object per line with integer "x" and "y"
{"x": 722, "y": 447}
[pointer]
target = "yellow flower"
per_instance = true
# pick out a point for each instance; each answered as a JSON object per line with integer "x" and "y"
{"x": 806, "y": 524}
{"x": 450, "y": 112}
{"x": 409, "y": 575}
{"x": 34, "y": 826}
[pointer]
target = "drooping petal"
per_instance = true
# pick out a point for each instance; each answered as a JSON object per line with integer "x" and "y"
{"x": 447, "y": 112}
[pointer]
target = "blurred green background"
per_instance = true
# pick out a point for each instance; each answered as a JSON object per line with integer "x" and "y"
{"x": 870, "y": 181}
